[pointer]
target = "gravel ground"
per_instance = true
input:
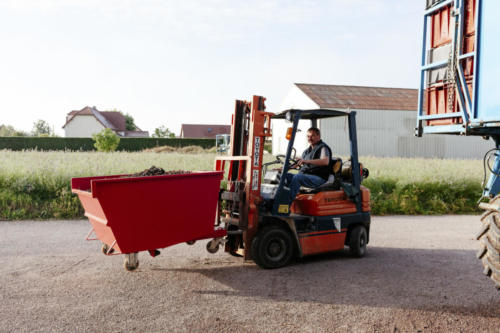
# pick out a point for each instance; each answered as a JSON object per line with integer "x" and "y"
{"x": 420, "y": 275}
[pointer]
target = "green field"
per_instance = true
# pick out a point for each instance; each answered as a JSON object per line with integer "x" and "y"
{"x": 36, "y": 185}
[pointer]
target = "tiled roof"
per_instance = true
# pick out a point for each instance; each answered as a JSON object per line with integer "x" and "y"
{"x": 195, "y": 131}
{"x": 361, "y": 98}
{"x": 116, "y": 119}
{"x": 109, "y": 119}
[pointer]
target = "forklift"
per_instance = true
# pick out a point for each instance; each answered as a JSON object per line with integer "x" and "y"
{"x": 253, "y": 207}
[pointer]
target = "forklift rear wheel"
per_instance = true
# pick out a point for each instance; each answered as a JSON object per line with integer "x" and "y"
{"x": 357, "y": 241}
{"x": 105, "y": 249}
{"x": 191, "y": 242}
{"x": 272, "y": 247}
{"x": 131, "y": 262}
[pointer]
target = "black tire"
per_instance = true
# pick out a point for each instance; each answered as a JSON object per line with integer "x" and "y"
{"x": 105, "y": 249}
{"x": 489, "y": 238}
{"x": 357, "y": 241}
{"x": 130, "y": 266}
{"x": 272, "y": 247}
{"x": 210, "y": 249}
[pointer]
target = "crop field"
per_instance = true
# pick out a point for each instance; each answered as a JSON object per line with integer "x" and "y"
{"x": 36, "y": 184}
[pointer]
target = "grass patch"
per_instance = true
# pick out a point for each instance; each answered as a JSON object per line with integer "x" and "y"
{"x": 36, "y": 185}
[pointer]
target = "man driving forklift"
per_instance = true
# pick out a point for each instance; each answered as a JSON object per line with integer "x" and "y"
{"x": 314, "y": 165}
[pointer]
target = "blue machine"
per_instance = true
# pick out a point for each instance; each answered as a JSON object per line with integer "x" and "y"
{"x": 479, "y": 111}
{"x": 472, "y": 108}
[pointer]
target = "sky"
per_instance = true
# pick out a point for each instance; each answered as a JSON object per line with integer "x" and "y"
{"x": 173, "y": 62}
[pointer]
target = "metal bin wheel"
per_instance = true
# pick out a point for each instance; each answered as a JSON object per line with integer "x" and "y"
{"x": 105, "y": 249}
{"x": 131, "y": 261}
{"x": 213, "y": 246}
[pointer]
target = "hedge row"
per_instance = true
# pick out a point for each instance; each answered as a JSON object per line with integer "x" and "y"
{"x": 87, "y": 144}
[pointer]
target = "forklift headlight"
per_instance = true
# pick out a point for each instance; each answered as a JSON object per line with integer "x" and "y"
{"x": 289, "y": 116}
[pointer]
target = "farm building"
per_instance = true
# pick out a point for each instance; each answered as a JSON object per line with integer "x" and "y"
{"x": 88, "y": 121}
{"x": 199, "y": 131}
{"x": 386, "y": 120}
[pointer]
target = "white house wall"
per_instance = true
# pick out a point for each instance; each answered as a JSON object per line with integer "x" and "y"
{"x": 296, "y": 99}
{"x": 82, "y": 126}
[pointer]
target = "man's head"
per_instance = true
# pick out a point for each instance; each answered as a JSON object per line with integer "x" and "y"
{"x": 313, "y": 136}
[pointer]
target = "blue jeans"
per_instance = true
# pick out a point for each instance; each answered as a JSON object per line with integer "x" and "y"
{"x": 295, "y": 181}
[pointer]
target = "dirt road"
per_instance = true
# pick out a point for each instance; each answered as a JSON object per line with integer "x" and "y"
{"x": 420, "y": 274}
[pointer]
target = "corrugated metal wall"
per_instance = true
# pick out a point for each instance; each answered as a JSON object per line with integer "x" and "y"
{"x": 390, "y": 134}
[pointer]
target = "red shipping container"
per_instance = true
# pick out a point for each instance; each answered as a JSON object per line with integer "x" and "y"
{"x": 470, "y": 17}
{"x": 437, "y": 94}
{"x": 468, "y": 63}
{"x": 441, "y": 24}
{"x": 437, "y": 102}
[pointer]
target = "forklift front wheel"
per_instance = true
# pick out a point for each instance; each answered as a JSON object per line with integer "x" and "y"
{"x": 357, "y": 241}
{"x": 272, "y": 247}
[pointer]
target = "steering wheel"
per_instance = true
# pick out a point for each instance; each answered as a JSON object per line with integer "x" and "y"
{"x": 281, "y": 159}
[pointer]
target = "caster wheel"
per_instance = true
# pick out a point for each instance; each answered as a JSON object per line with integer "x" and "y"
{"x": 212, "y": 247}
{"x": 131, "y": 262}
{"x": 105, "y": 249}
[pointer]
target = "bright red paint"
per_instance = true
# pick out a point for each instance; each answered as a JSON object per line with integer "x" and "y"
{"x": 146, "y": 213}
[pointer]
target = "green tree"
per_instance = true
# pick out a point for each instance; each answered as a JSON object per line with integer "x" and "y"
{"x": 106, "y": 140}
{"x": 8, "y": 130}
{"x": 42, "y": 128}
{"x": 163, "y": 132}
{"x": 129, "y": 122}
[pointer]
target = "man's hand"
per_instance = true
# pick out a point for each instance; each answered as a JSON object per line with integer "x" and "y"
{"x": 319, "y": 162}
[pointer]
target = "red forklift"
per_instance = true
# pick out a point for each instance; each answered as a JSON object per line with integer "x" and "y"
{"x": 253, "y": 208}
{"x": 252, "y": 217}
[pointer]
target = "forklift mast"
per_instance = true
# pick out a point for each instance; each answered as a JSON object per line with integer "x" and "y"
{"x": 250, "y": 126}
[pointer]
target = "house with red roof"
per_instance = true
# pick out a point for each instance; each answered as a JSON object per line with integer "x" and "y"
{"x": 88, "y": 121}
{"x": 201, "y": 131}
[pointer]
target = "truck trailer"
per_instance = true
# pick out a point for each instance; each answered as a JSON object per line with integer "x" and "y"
{"x": 459, "y": 95}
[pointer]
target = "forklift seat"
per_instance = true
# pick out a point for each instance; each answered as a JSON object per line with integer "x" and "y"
{"x": 331, "y": 185}
{"x": 333, "y": 182}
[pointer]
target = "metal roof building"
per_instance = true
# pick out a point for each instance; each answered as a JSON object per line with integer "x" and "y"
{"x": 386, "y": 120}
{"x": 200, "y": 131}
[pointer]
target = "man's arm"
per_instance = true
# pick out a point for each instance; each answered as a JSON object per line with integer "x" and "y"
{"x": 324, "y": 159}
{"x": 319, "y": 162}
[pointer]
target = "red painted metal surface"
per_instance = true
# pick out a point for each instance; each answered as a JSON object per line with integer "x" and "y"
{"x": 322, "y": 241}
{"x": 470, "y": 17}
{"x": 438, "y": 99}
{"x": 329, "y": 203}
{"x": 440, "y": 95}
{"x": 145, "y": 213}
{"x": 441, "y": 31}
